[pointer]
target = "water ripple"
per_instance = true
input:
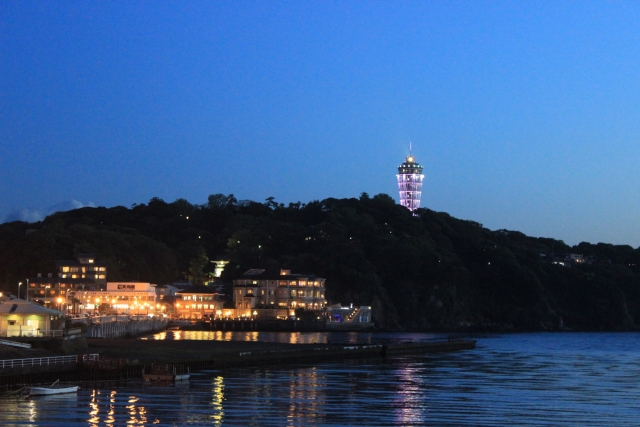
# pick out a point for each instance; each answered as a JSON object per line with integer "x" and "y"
{"x": 523, "y": 379}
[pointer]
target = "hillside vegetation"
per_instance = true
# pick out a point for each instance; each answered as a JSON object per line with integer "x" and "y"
{"x": 429, "y": 271}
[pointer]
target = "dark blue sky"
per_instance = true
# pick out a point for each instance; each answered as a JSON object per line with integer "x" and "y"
{"x": 525, "y": 115}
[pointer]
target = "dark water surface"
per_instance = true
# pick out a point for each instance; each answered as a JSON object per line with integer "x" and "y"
{"x": 568, "y": 379}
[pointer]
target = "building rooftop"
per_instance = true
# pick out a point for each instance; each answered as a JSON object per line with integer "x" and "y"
{"x": 256, "y": 274}
{"x": 56, "y": 279}
{"x": 75, "y": 262}
{"x": 13, "y": 305}
{"x": 410, "y": 166}
{"x": 198, "y": 290}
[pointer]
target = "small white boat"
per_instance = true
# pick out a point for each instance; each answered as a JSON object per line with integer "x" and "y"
{"x": 181, "y": 377}
{"x": 54, "y": 388}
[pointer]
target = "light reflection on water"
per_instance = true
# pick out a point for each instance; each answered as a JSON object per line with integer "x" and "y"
{"x": 526, "y": 379}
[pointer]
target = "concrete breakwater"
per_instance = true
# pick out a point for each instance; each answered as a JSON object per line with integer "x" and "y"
{"x": 134, "y": 355}
{"x": 283, "y": 325}
{"x": 126, "y": 328}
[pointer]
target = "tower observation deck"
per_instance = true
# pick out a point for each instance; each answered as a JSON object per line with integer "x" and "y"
{"x": 410, "y": 183}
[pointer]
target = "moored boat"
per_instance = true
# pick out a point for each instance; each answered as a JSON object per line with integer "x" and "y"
{"x": 164, "y": 374}
{"x": 54, "y": 388}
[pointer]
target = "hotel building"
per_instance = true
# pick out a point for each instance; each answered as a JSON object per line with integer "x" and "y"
{"x": 59, "y": 292}
{"x": 84, "y": 267}
{"x": 283, "y": 291}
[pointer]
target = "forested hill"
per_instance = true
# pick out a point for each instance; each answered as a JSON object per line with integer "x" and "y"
{"x": 429, "y": 271}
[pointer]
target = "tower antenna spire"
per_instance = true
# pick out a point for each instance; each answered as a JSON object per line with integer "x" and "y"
{"x": 409, "y": 147}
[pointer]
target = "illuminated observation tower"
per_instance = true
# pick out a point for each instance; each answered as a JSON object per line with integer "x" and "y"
{"x": 410, "y": 183}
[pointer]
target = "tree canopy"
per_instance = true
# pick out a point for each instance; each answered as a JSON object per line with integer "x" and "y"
{"x": 423, "y": 271}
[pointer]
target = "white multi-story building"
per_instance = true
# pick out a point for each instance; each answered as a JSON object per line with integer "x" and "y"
{"x": 122, "y": 297}
{"x": 260, "y": 289}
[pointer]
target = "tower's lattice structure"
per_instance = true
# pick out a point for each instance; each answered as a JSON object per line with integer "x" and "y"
{"x": 410, "y": 183}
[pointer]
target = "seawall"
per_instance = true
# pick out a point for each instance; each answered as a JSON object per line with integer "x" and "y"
{"x": 126, "y": 328}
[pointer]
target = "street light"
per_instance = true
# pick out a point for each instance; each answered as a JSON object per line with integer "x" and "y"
{"x": 46, "y": 298}
{"x": 20, "y": 284}
{"x": 59, "y": 302}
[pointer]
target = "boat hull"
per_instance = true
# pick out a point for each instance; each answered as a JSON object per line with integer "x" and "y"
{"x": 46, "y": 391}
{"x": 163, "y": 377}
{"x": 164, "y": 374}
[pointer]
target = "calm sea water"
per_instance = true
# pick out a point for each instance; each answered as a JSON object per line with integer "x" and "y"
{"x": 569, "y": 379}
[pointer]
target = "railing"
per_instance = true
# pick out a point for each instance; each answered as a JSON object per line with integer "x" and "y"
{"x": 87, "y": 358}
{"x": 50, "y": 333}
{"x": 94, "y": 361}
{"x": 43, "y": 361}
{"x": 15, "y": 343}
{"x": 353, "y": 314}
{"x": 32, "y": 333}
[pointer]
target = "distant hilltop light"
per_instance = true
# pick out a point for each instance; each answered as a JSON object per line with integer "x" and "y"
{"x": 410, "y": 183}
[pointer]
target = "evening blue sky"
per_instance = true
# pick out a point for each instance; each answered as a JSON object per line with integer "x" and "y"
{"x": 525, "y": 115}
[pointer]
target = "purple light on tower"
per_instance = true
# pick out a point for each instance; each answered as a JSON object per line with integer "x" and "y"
{"x": 410, "y": 183}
